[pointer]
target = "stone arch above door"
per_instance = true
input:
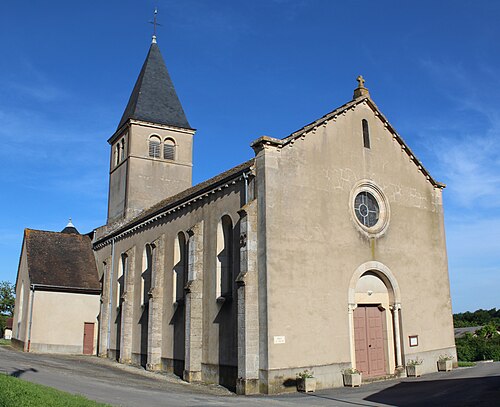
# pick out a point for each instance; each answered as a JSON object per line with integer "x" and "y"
{"x": 383, "y": 272}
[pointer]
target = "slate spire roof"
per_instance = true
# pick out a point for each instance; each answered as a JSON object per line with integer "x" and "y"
{"x": 154, "y": 98}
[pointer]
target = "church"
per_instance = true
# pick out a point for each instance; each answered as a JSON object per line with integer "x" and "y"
{"x": 324, "y": 251}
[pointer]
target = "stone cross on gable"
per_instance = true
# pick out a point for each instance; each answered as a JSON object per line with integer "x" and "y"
{"x": 360, "y": 90}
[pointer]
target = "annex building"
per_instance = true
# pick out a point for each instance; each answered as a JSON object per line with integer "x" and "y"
{"x": 325, "y": 250}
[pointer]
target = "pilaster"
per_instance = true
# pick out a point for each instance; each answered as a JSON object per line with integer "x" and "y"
{"x": 156, "y": 306}
{"x": 248, "y": 303}
{"x": 127, "y": 305}
{"x": 104, "y": 312}
{"x": 194, "y": 305}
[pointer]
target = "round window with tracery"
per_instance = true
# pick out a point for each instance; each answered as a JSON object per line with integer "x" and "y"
{"x": 367, "y": 209}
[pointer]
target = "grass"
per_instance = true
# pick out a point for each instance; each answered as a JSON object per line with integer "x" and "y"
{"x": 4, "y": 342}
{"x": 17, "y": 392}
{"x": 465, "y": 364}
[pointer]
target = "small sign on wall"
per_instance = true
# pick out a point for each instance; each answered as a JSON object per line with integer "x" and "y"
{"x": 278, "y": 340}
{"x": 413, "y": 340}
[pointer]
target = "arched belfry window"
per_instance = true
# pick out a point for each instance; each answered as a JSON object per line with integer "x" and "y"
{"x": 117, "y": 154}
{"x": 122, "y": 150}
{"x": 154, "y": 146}
{"x": 366, "y": 134}
{"x": 224, "y": 271}
{"x": 179, "y": 271}
{"x": 169, "y": 149}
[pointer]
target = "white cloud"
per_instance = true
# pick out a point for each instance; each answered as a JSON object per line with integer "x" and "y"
{"x": 466, "y": 141}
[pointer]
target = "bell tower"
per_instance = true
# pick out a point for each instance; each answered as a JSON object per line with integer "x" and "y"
{"x": 152, "y": 148}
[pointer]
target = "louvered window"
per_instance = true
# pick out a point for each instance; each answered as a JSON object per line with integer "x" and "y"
{"x": 169, "y": 149}
{"x": 154, "y": 148}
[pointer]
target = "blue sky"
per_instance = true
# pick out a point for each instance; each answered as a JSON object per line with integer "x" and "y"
{"x": 244, "y": 69}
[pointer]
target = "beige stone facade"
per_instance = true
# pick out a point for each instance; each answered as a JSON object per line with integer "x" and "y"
{"x": 325, "y": 251}
{"x": 50, "y": 317}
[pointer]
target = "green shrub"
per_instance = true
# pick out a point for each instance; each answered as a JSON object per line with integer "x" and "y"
{"x": 473, "y": 348}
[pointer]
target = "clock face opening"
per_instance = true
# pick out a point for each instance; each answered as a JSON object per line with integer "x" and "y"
{"x": 367, "y": 209}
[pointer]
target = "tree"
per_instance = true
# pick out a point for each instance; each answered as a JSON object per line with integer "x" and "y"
{"x": 7, "y": 298}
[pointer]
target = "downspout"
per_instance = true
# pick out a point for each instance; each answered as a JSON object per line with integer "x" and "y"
{"x": 111, "y": 292}
{"x": 245, "y": 177}
{"x": 32, "y": 289}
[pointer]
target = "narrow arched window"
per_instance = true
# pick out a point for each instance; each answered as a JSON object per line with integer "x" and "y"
{"x": 122, "y": 150}
{"x": 120, "y": 281}
{"x": 169, "y": 149}
{"x": 117, "y": 154}
{"x": 20, "y": 305}
{"x": 224, "y": 271}
{"x": 147, "y": 273}
{"x": 179, "y": 271}
{"x": 154, "y": 147}
{"x": 366, "y": 134}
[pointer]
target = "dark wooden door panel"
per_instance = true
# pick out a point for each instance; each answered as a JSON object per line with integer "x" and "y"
{"x": 88, "y": 338}
{"x": 369, "y": 340}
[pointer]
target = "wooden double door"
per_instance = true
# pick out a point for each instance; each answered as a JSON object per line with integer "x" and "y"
{"x": 369, "y": 340}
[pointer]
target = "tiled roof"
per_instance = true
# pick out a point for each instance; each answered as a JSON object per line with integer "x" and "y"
{"x": 154, "y": 98}
{"x": 61, "y": 260}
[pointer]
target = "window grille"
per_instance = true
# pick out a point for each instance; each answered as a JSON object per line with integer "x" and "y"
{"x": 154, "y": 148}
{"x": 169, "y": 150}
{"x": 122, "y": 150}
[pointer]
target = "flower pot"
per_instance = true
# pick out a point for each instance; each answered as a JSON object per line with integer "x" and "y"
{"x": 352, "y": 379}
{"x": 414, "y": 370}
{"x": 445, "y": 365}
{"x": 307, "y": 384}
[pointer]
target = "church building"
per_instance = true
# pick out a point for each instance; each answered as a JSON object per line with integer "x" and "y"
{"x": 324, "y": 251}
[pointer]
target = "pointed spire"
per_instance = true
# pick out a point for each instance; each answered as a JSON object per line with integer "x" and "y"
{"x": 360, "y": 90}
{"x": 70, "y": 228}
{"x": 153, "y": 98}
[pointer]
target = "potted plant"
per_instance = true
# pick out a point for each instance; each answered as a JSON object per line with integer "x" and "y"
{"x": 413, "y": 367}
{"x": 445, "y": 363}
{"x": 352, "y": 377}
{"x": 306, "y": 381}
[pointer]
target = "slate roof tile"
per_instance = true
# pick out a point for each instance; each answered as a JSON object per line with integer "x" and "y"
{"x": 153, "y": 98}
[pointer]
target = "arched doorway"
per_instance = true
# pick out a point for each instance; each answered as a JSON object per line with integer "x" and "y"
{"x": 374, "y": 320}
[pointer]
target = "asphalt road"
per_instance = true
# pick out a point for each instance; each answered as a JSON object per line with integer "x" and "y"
{"x": 109, "y": 382}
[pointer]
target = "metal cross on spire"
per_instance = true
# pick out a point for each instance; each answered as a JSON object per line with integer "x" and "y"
{"x": 155, "y": 24}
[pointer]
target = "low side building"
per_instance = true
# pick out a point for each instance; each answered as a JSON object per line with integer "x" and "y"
{"x": 57, "y": 293}
{"x": 7, "y": 334}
